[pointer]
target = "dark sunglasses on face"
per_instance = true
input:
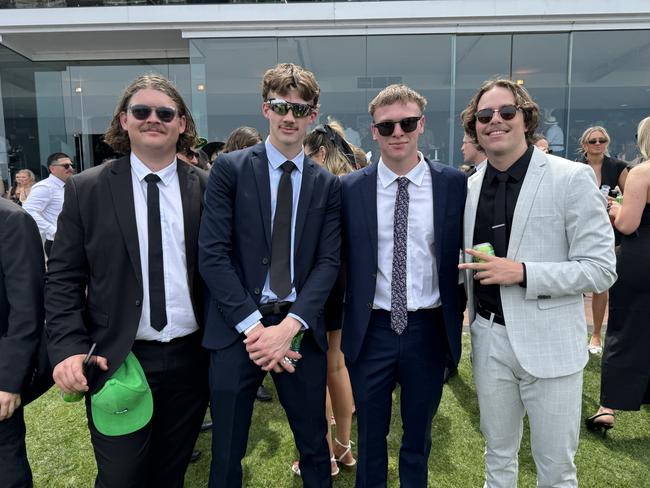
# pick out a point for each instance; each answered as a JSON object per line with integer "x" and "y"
{"x": 600, "y": 140}
{"x": 142, "y": 112}
{"x": 64, "y": 165}
{"x": 386, "y": 128}
{"x": 506, "y": 112}
{"x": 282, "y": 107}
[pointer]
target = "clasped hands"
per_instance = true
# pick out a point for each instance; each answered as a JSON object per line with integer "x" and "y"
{"x": 268, "y": 347}
{"x": 494, "y": 270}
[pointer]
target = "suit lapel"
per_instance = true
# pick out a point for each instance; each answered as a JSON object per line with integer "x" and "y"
{"x": 122, "y": 192}
{"x": 369, "y": 203}
{"x": 260, "y": 166}
{"x": 191, "y": 199}
{"x": 529, "y": 188}
{"x": 439, "y": 210}
{"x": 306, "y": 190}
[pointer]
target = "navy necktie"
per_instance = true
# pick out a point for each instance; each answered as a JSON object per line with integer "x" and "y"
{"x": 398, "y": 310}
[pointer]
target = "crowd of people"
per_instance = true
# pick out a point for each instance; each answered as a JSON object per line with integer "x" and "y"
{"x": 183, "y": 274}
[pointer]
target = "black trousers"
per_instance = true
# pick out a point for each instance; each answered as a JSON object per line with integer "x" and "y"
{"x": 14, "y": 468}
{"x": 234, "y": 380}
{"x": 158, "y": 454}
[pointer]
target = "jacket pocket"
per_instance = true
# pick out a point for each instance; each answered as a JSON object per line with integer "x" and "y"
{"x": 546, "y": 303}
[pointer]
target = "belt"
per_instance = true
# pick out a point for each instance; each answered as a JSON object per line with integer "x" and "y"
{"x": 275, "y": 308}
{"x": 486, "y": 314}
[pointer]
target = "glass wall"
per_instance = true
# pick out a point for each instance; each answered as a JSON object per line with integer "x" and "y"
{"x": 578, "y": 79}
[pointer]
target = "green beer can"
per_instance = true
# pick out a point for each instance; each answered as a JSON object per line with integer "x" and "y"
{"x": 484, "y": 247}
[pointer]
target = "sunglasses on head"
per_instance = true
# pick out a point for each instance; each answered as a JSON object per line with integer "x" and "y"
{"x": 282, "y": 107}
{"x": 386, "y": 128}
{"x": 600, "y": 140}
{"x": 64, "y": 165}
{"x": 506, "y": 112}
{"x": 142, "y": 112}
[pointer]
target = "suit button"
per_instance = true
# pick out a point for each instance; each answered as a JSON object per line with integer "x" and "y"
{"x": 138, "y": 303}
{"x": 374, "y": 276}
{"x": 265, "y": 260}
{"x": 256, "y": 291}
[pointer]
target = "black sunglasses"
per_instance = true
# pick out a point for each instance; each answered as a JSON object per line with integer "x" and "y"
{"x": 386, "y": 128}
{"x": 506, "y": 112}
{"x": 64, "y": 165}
{"x": 600, "y": 140}
{"x": 142, "y": 112}
{"x": 282, "y": 107}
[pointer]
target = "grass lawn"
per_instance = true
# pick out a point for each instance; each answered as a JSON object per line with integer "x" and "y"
{"x": 61, "y": 455}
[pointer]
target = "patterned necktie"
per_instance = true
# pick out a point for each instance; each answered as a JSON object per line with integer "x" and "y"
{"x": 157, "y": 307}
{"x": 398, "y": 310}
{"x": 280, "y": 275}
{"x": 499, "y": 227}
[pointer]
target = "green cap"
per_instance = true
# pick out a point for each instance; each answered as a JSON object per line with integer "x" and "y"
{"x": 124, "y": 404}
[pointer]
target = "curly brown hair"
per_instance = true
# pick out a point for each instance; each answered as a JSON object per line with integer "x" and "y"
{"x": 118, "y": 139}
{"x": 288, "y": 76}
{"x": 522, "y": 98}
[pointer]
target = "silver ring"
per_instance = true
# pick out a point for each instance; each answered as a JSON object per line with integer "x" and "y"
{"x": 285, "y": 360}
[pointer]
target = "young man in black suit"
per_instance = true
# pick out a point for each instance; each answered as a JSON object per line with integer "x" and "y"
{"x": 21, "y": 323}
{"x": 122, "y": 274}
{"x": 269, "y": 253}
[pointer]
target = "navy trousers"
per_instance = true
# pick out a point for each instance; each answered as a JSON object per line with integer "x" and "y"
{"x": 416, "y": 361}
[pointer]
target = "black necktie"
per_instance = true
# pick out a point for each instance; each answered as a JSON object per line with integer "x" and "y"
{"x": 281, "y": 238}
{"x": 499, "y": 227}
{"x": 156, "y": 273}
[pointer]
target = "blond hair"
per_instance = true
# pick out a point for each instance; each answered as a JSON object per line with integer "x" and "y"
{"x": 396, "y": 94}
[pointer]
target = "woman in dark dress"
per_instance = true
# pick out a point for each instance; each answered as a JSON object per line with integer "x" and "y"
{"x": 610, "y": 172}
{"x": 625, "y": 376}
{"x": 327, "y": 146}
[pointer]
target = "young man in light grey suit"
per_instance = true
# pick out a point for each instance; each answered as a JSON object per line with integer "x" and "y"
{"x": 553, "y": 242}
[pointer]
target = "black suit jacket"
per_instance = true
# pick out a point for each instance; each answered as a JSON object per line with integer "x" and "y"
{"x": 359, "y": 208}
{"x": 93, "y": 289}
{"x": 235, "y": 243}
{"x": 21, "y": 296}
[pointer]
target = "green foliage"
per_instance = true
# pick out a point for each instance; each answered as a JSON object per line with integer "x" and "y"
{"x": 61, "y": 455}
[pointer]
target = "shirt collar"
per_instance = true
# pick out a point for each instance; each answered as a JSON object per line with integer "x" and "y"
{"x": 517, "y": 171}
{"x": 276, "y": 158}
{"x": 415, "y": 176}
{"x": 166, "y": 174}
{"x": 56, "y": 180}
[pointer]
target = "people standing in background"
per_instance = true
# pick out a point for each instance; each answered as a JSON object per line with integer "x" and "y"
{"x": 610, "y": 173}
{"x": 540, "y": 142}
{"x": 241, "y": 138}
{"x": 625, "y": 372}
{"x": 19, "y": 192}
{"x": 45, "y": 200}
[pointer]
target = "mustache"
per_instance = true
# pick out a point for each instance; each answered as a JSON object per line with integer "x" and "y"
{"x": 152, "y": 126}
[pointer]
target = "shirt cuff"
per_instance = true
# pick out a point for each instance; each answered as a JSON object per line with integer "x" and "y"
{"x": 524, "y": 283}
{"x": 304, "y": 324}
{"x": 248, "y": 322}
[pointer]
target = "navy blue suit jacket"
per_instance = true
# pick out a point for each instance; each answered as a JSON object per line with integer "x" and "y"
{"x": 359, "y": 210}
{"x": 235, "y": 243}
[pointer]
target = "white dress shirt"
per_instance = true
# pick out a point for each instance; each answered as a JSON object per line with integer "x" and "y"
{"x": 180, "y": 314}
{"x": 422, "y": 290}
{"x": 275, "y": 160}
{"x": 44, "y": 204}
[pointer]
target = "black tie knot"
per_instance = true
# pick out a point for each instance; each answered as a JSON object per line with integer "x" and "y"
{"x": 152, "y": 178}
{"x": 287, "y": 166}
{"x": 503, "y": 177}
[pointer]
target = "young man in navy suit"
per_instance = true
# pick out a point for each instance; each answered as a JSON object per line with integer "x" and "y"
{"x": 269, "y": 252}
{"x": 402, "y": 317}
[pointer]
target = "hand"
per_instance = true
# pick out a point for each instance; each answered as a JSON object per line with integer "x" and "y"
{"x": 68, "y": 374}
{"x": 613, "y": 208}
{"x": 9, "y": 402}
{"x": 268, "y": 346}
{"x": 494, "y": 270}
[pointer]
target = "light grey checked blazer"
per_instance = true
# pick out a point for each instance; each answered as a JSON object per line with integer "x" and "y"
{"x": 561, "y": 230}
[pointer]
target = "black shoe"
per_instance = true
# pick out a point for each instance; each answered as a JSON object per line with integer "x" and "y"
{"x": 195, "y": 456}
{"x": 206, "y": 425}
{"x": 603, "y": 427}
{"x": 450, "y": 372}
{"x": 263, "y": 395}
